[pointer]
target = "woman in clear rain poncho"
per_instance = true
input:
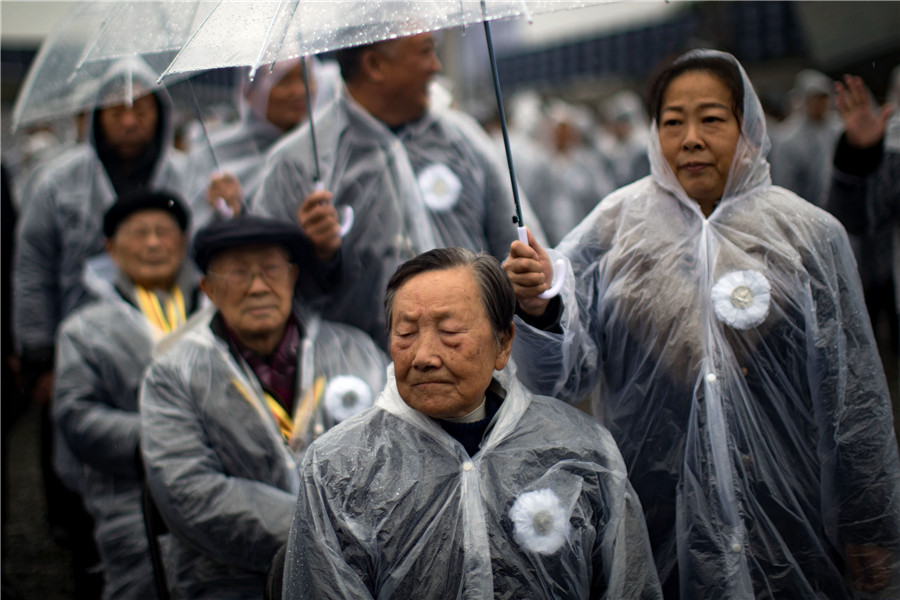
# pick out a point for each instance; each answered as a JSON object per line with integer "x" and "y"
{"x": 723, "y": 321}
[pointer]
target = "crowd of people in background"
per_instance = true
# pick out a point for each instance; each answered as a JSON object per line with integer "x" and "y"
{"x": 258, "y": 336}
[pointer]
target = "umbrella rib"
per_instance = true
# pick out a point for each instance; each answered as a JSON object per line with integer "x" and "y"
{"x": 284, "y": 32}
{"x": 264, "y": 45}
{"x": 188, "y": 43}
{"x": 526, "y": 12}
{"x": 90, "y": 48}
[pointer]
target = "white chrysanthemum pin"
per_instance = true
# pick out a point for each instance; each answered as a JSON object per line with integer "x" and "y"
{"x": 741, "y": 298}
{"x": 440, "y": 187}
{"x": 540, "y": 521}
{"x": 346, "y": 395}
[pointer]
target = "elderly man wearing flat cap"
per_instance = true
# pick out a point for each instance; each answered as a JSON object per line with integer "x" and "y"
{"x": 102, "y": 351}
{"x": 228, "y": 407}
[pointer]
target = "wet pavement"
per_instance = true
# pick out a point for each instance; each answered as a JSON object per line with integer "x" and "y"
{"x": 35, "y": 566}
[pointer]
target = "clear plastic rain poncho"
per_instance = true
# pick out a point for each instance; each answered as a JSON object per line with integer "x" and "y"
{"x": 102, "y": 352}
{"x": 62, "y": 223}
{"x": 627, "y": 155}
{"x": 581, "y": 175}
{"x": 392, "y": 506}
{"x": 738, "y": 373}
{"x": 435, "y": 183}
{"x": 219, "y": 469}
{"x": 803, "y": 148}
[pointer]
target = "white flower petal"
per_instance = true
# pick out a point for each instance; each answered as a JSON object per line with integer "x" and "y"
{"x": 741, "y": 298}
{"x": 540, "y": 522}
{"x": 440, "y": 187}
{"x": 346, "y": 395}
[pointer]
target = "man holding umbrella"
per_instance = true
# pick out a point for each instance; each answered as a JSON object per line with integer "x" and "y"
{"x": 416, "y": 177}
{"x": 228, "y": 169}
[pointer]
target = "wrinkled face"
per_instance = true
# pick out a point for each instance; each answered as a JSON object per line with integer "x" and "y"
{"x": 698, "y": 133}
{"x": 129, "y": 129}
{"x": 409, "y": 65}
{"x": 287, "y": 100}
{"x": 148, "y": 248}
{"x": 442, "y": 343}
{"x": 253, "y": 288}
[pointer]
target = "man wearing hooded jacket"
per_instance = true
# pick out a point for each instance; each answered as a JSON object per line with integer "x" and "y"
{"x": 129, "y": 148}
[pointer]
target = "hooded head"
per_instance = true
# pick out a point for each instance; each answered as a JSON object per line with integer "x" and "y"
{"x": 748, "y": 166}
{"x": 131, "y": 125}
{"x": 277, "y": 94}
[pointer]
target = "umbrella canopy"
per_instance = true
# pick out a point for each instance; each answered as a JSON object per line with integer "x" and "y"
{"x": 254, "y": 33}
{"x": 64, "y": 77}
{"x": 248, "y": 33}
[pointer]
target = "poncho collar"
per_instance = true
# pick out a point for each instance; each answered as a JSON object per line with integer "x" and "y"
{"x": 515, "y": 403}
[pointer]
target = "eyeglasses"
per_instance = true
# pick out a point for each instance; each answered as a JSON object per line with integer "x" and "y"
{"x": 241, "y": 279}
{"x": 141, "y": 233}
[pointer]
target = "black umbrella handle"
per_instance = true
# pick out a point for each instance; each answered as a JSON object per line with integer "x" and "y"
{"x": 509, "y": 159}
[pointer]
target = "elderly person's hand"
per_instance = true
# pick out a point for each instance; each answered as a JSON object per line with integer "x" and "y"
{"x": 531, "y": 272}
{"x": 319, "y": 220}
{"x": 864, "y": 124}
{"x": 225, "y": 187}
{"x": 870, "y": 566}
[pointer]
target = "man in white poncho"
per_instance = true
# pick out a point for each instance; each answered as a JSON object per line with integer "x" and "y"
{"x": 416, "y": 176}
{"x": 233, "y": 398}
{"x": 723, "y": 320}
{"x": 143, "y": 292}
{"x": 459, "y": 483}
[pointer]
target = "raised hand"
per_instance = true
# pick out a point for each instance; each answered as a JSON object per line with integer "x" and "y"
{"x": 863, "y": 122}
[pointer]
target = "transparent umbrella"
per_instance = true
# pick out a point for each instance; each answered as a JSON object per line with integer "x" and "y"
{"x": 247, "y": 33}
{"x": 64, "y": 77}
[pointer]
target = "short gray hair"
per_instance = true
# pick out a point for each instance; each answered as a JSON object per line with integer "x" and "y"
{"x": 495, "y": 288}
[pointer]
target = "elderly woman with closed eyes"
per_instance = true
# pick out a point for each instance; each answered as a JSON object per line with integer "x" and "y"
{"x": 721, "y": 320}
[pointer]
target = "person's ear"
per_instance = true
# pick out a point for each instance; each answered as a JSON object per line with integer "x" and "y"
{"x": 373, "y": 63}
{"x": 112, "y": 250}
{"x": 206, "y": 287}
{"x": 506, "y": 340}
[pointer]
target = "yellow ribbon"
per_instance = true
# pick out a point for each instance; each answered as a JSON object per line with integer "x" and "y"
{"x": 164, "y": 320}
{"x": 285, "y": 424}
{"x": 308, "y": 405}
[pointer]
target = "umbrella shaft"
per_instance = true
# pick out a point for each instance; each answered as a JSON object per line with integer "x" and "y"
{"x": 503, "y": 126}
{"x": 309, "y": 116}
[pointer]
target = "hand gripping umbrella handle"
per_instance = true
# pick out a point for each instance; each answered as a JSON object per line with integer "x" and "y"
{"x": 559, "y": 269}
{"x": 346, "y": 213}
